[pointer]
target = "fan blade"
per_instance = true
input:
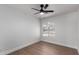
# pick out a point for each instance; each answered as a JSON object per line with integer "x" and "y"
{"x": 37, "y": 13}
{"x": 35, "y": 9}
{"x": 48, "y": 11}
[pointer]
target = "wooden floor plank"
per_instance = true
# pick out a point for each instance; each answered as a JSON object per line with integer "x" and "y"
{"x": 45, "y": 48}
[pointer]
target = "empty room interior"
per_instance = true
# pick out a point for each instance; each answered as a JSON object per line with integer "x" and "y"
{"x": 39, "y": 29}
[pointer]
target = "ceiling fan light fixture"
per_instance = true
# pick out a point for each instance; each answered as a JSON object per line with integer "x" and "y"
{"x": 43, "y": 9}
{"x": 41, "y": 13}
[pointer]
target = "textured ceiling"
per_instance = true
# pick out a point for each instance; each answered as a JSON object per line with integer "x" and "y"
{"x": 58, "y": 8}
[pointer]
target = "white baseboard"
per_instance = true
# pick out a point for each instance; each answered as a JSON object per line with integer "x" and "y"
{"x": 59, "y": 44}
{"x": 17, "y": 48}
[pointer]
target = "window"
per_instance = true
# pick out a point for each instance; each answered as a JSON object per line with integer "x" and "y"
{"x": 48, "y": 29}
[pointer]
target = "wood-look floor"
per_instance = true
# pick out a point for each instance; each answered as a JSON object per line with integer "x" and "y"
{"x": 44, "y": 48}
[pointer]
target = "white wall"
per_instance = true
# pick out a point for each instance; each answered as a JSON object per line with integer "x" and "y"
{"x": 66, "y": 30}
{"x": 17, "y": 29}
{"x": 78, "y": 29}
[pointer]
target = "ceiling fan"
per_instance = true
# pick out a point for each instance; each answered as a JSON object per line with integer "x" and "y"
{"x": 42, "y": 9}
